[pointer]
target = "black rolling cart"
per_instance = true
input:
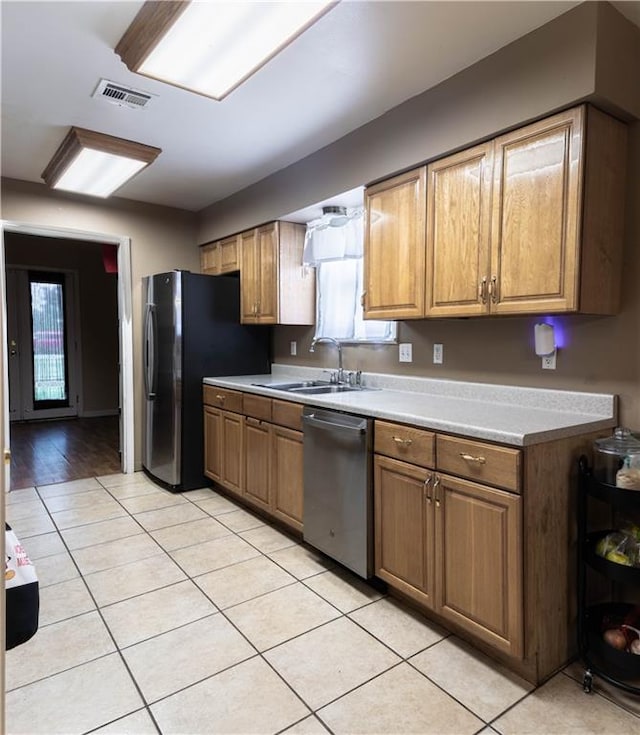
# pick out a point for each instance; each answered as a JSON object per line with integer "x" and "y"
{"x": 618, "y": 667}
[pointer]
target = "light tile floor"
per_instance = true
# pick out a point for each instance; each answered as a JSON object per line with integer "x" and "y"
{"x": 184, "y": 613}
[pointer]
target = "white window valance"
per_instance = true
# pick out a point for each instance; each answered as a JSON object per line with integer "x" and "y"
{"x": 334, "y": 237}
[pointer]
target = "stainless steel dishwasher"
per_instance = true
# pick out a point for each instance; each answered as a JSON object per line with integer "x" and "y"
{"x": 338, "y": 497}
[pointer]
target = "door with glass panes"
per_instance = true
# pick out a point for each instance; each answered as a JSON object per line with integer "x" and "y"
{"x": 42, "y": 343}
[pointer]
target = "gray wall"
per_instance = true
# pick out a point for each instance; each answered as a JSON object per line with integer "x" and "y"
{"x": 161, "y": 239}
{"x": 590, "y": 53}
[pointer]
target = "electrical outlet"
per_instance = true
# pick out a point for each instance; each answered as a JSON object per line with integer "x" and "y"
{"x": 549, "y": 361}
{"x": 294, "y": 347}
{"x": 438, "y": 354}
{"x": 406, "y": 352}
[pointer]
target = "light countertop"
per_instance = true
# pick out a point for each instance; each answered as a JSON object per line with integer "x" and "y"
{"x": 507, "y": 414}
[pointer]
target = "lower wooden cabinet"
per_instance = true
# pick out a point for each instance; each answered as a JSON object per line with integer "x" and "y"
{"x": 213, "y": 443}
{"x": 478, "y": 549}
{"x": 273, "y": 470}
{"x": 404, "y": 533}
{"x": 454, "y": 546}
{"x": 287, "y": 489}
{"x": 257, "y": 451}
{"x": 223, "y": 448}
{"x": 258, "y": 460}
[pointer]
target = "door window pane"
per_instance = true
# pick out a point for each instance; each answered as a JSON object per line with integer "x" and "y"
{"x": 48, "y": 335}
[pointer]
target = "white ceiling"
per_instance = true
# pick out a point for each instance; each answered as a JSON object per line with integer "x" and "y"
{"x": 359, "y": 60}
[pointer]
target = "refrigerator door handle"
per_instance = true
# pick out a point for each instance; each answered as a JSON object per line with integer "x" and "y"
{"x": 150, "y": 357}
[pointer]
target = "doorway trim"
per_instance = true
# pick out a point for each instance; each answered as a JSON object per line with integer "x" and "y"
{"x": 125, "y": 329}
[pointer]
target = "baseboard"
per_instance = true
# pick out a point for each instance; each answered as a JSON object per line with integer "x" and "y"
{"x": 98, "y": 413}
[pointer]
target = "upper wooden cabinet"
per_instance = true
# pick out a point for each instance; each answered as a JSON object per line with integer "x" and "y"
{"x": 229, "y": 254}
{"x": 530, "y": 222}
{"x": 275, "y": 287}
{"x": 220, "y": 257}
{"x": 458, "y": 228}
{"x": 394, "y": 247}
{"x": 210, "y": 259}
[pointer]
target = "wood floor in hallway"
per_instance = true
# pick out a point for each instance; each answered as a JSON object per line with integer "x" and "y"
{"x": 45, "y": 452}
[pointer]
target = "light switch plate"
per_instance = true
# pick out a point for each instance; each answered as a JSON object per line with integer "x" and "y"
{"x": 294, "y": 347}
{"x": 406, "y": 352}
{"x": 438, "y": 354}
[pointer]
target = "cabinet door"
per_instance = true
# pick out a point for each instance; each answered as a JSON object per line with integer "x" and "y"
{"x": 536, "y": 216}
{"x": 228, "y": 256}
{"x": 249, "y": 283}
{"x": 232, "y": 451}
{"x": 209, "y": 259}
{"x": 267, "y": 244}
{"x": 257, "y": 447}
{"x": 212, "y": 443}
{"x": 287, "y": 487}
{"x": 458, "y": 221}
{"x": 404, "y": 534}
{"x": 479, "y": 561}
{"x": 394, "y": 256}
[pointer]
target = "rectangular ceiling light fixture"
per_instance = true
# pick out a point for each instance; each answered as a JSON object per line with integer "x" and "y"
{"x": 96, "y": 164}
{"x": 211, "y": 47}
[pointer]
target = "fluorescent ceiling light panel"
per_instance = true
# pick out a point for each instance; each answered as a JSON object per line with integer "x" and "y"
{"x": 96, "y": 164}
{"x": 211, "y": 47}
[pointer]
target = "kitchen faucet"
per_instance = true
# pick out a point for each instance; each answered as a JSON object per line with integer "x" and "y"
{"x": 335, "y": 342}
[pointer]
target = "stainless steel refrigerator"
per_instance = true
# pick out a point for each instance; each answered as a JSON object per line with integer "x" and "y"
{"x": 191, "y": 330}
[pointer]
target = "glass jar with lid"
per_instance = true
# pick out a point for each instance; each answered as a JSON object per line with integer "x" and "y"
{"x": 616, "y": 459}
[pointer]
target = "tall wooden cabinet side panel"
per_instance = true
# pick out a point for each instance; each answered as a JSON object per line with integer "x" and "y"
{"x": 404, "y": 538}
{"x": 479, "y": 567}
{"x": 296, "y": 284}
{"x": 458, "y": 221}
{"x": 535, "y": 231}
{"x": 249, "y": 294}
{"x": 394, "y": 260}
{"x": 603, "y": 213}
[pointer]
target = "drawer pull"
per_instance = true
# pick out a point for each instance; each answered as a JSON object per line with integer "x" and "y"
{"x": 404, "y": 442}
{"x": 220, "y": 397}
{"x": 471, "y": 458}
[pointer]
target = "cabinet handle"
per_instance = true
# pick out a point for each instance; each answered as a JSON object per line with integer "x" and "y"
{"x": 470, "y": 458}
{"x": 253, "y": 422}
{"x": 493, "y": 289}
{"x": 363, "y": 299}
{"x": 482, "y": 290}
{"x": 404, "y": 442}
{"x": 425, "y": 489}
{"x": 220, "y": 397}
{"x": 436, "y": 485}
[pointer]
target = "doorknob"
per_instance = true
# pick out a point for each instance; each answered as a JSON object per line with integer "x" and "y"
{"x": 7, "y": 456}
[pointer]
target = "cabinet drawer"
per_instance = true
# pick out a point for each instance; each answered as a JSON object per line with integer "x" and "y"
{"x": 257, "y": 406}
{"x": 230, "y": 400}
{"x": 286, "y": 413}
{"x": 484, "y": 463}
{"x": 405, "y": 442}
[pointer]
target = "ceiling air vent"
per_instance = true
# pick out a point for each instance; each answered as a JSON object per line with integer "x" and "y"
{"x": 134, "y": 99}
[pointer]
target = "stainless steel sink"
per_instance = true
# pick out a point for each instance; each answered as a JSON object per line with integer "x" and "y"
{"x": 315, "y": 390}
{"x": 313, "y": 387}
{"x": 294, "y": 386}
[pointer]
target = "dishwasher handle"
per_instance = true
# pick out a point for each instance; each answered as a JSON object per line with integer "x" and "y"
{"x": 332, "y": 425}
